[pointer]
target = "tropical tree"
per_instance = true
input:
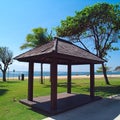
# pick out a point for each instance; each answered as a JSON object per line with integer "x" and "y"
{"x": 101, "y": 70}
{"x": 39, "y": 36}
{"x": 6, "y": 58}
{"x": 117, "y": 68}
{"x": 98, "y": 24}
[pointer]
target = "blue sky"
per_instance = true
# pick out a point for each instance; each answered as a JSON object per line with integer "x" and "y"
{"x": 19, "y": 17}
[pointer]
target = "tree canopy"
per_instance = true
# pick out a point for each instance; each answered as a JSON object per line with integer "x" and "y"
{"x": 117, "y": 68}
{"x": 99, "y": 24}
{"x": 101, "y": 70}
{"x": 5, "y": 60}
{"x": 39, "y": 36}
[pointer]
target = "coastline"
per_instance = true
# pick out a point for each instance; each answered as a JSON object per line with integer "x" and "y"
{"x": 65, "y": 77}
{"x": 61, "y": 74}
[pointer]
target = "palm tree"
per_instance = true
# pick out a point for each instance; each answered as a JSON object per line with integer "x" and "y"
{"x": 39, "y": 37}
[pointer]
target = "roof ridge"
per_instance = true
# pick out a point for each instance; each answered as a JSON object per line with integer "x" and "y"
{"x": 63, "y": 40}
{"x": 55, "y": 45}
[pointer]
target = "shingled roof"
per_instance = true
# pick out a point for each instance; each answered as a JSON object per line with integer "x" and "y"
{"x": 62, "y": 51}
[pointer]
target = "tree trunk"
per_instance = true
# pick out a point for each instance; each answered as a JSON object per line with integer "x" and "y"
{"x": 4, "y": 76}
{"x": 41, "y": 73}
{"x": 105, "y": 74}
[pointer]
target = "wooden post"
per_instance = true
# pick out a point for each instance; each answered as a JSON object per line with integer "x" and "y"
{"x": 69, "y": 79}
{"x": 30, "y": 81}
{"x": 41, "y": 73}
{"x": 92, "y": 80}
{"x": 53, "y": 86}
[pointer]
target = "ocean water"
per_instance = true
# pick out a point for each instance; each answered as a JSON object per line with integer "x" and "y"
{"x": 37, "y": 73}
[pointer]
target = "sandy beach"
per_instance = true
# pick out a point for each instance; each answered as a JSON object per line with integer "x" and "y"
{"x": 86, "y": 76}
{"x": 81, "y": 76}
{"x": 65, "y": 77}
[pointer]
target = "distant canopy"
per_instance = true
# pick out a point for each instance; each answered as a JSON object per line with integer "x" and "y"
{"x": 117, "y": 68}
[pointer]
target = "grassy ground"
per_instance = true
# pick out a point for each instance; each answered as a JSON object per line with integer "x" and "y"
{"x": 12, "y": 91}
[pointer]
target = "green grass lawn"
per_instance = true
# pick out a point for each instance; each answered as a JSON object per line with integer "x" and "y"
{"x": 12, "y": 91}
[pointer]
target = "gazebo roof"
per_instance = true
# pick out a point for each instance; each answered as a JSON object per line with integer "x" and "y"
{"x": 62, "y": 51}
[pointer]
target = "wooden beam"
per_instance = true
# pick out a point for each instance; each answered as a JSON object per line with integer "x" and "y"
{"x": 69, "y": 79}
{"x": 92, "y": 80}
{"x": 30, "y": 81}
{"x": 41, "y": 73}
{"x": 53, "y": 76}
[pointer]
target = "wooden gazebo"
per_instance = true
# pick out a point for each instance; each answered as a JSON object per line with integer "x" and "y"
{"x": 57, "y": 52}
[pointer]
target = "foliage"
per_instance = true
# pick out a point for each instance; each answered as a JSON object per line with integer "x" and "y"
{"x": 100, "y": 23}
{"x": 12, "y": 91}
{"x": 5, "y": 60}
{"x": 101, "y": 70}
{"x": 117, "y": 68}
{"x": 39, "y": 36}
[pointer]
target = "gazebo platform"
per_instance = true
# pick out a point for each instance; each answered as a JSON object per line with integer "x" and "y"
{"x": 65, "y": 102}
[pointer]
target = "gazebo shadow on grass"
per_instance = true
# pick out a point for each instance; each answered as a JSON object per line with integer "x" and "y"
{"x": 108, "y": 89}
{"x": 63, "y": 85}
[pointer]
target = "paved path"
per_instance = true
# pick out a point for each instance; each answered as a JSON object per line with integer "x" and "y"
{"x": 104, "y": 109}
